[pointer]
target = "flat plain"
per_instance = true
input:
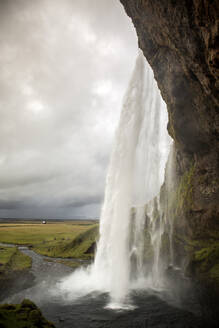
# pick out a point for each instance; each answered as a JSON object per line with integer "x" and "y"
{"x": 65, "y": 239}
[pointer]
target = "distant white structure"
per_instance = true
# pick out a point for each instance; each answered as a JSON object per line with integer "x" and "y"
{"x": 44, "y": 222}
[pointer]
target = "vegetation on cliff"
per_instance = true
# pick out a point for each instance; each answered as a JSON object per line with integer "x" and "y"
{"x": 24, "y": 315}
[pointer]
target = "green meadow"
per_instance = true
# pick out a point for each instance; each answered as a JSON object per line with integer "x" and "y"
{"x": 66, "y": 239}
{"x": 11, "y": 259}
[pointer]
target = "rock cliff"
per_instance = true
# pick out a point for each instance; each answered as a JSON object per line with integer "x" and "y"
{"x": 179, "y": 39}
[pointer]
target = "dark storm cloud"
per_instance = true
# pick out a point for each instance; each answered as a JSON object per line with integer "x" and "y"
{"x": 64, "y": 67}
{"x": 10, "y": 204}
{"x": 93, "y": 199}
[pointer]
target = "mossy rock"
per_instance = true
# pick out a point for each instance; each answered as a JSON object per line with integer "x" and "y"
{"x": 203, "y": 262}
{"x": 24, "y": 315}
{"x": 214, "y": 272}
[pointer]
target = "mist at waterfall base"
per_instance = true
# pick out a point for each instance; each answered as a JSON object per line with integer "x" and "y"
{"x": 135, "y": 175}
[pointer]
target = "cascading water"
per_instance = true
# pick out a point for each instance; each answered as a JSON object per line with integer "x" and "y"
{"x": 112, "y": 258}
{"x": 135, "y": 175}
{"x": 160, "y": 228}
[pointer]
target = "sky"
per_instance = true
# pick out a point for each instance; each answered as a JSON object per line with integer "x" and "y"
{"x": 64, "y": 69}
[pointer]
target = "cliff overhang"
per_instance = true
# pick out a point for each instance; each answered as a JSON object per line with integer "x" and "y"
{"x": 179, "y": 38}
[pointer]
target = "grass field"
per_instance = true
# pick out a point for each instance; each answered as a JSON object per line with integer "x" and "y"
{"x": 68, "y": 239}
{"x": 11, "y": 259}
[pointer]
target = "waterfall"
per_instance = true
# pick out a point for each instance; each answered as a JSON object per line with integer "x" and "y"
{"x": 135, "y": 175}
{"x": 112, "y": 258}
{"x": 160, "y": 226}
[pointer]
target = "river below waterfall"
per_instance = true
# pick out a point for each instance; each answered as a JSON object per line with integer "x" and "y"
{"x": 151, "y": 308}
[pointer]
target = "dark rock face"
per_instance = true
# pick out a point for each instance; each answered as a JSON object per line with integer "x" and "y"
{"x": 179, "y": 39}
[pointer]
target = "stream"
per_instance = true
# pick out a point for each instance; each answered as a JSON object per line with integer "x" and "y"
{"x": 158, "y": 309}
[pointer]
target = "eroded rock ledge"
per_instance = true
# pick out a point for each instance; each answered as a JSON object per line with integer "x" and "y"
{"x": 179, "y": 39}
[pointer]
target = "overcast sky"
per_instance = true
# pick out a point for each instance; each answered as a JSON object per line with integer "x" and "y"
{"x": 64, "y": 69}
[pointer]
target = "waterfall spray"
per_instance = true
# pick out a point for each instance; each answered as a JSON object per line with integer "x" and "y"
{"x": 112, "y": 258}
{"x": 135, "y": 175}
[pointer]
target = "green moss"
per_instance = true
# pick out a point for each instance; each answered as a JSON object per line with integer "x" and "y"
{"x": 194, "y": 239}
{"x": 180, "y": 199}
{"x": 24, "y": 315}
{"x": 204, "y": 260}
{"x": 184, "y": 191}
{"x": 214, "y": 272}
{"x": 207, "y": 257}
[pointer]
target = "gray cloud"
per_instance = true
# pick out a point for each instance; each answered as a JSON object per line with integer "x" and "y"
{"x": 64, "y": 67}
